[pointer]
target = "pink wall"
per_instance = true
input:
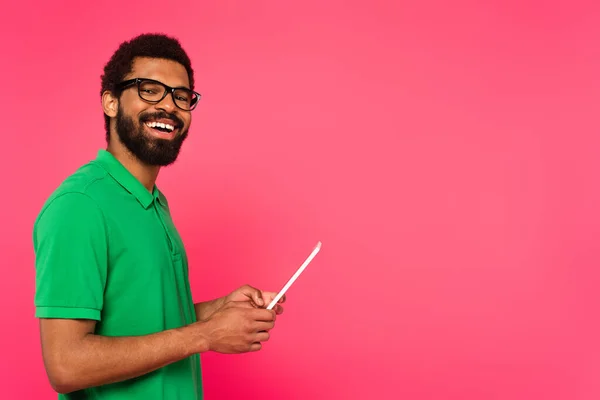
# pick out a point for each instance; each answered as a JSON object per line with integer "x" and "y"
{"x": 446, "y": 156}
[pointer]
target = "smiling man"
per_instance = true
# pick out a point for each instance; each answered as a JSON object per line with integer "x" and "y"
{"x": 117, "y": 320}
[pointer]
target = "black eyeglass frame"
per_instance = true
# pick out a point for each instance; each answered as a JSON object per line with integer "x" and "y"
{"x": 168, "y": 89}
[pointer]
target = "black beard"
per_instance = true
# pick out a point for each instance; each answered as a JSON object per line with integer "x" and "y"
{"x": 149, "y": 150}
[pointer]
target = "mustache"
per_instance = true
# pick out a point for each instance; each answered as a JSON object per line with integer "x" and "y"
{"x": 178, "y": 123}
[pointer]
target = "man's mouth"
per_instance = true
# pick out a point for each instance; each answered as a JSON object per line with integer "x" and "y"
{"x": 164, "y": 126}
{"x": 160, "y": 126}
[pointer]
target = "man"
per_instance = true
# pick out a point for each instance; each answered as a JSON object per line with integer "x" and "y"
{"x": 117, "y": 319}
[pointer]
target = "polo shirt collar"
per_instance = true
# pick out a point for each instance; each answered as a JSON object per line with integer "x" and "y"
{"x": 127, "y": 180}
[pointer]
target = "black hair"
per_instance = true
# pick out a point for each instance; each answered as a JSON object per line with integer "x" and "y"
{"x": 153, "y": 45}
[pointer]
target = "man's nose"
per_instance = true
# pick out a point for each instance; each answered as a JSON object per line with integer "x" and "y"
{"x": 166, "y": 104}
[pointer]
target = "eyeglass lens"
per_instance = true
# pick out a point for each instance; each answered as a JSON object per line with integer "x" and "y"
{"x": 153, "y": 91}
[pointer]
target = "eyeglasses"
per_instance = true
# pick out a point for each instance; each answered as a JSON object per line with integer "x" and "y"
{"x": 154, "y": 92}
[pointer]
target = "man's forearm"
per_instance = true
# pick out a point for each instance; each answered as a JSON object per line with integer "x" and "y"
{"x": 99, "y": 360}
{"x": 205, "y": 309}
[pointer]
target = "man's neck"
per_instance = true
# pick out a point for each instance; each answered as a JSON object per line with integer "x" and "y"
{"x": 146, "y": 174}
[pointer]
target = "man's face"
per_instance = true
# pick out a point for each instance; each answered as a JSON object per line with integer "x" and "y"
{"x": 136, "y": 119}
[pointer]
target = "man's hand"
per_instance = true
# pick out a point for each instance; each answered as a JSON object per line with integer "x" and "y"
{"x": 256, "y": 297}
{"x": 237, "y": 327}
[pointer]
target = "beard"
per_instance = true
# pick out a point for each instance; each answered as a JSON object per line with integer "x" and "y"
{"x": 147, "y": 149}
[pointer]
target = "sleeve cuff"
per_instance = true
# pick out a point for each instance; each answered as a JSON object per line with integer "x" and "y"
{"x": 67, "y": 313}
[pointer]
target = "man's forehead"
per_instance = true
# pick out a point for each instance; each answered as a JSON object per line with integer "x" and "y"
{"x": 169, "y": 72}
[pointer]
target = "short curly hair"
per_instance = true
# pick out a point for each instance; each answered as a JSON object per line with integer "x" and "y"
{"x": 153, "y": 45}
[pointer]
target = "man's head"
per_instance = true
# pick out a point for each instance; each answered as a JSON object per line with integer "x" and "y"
{"x": 147, "y": 93}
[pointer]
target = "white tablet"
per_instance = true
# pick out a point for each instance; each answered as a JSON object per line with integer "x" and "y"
{"x": 295, "y": 276}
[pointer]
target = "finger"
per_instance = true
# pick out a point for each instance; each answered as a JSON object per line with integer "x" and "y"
{"x": 262, "y": 336}
{"x": 255, "y": 346}
{"x": 261, "y": 314}
{"x": 264, "y": 326}
{"x": 269, "y": 296}
{"x": 278, "y": 309}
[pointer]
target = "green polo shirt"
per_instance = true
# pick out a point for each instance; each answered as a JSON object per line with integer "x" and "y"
{"x": 107, "y": 250}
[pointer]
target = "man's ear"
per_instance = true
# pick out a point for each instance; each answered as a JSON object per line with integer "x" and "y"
{"x": 110, "y": 104}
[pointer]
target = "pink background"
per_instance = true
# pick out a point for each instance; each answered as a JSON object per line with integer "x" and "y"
{"x": 447, "y": 156}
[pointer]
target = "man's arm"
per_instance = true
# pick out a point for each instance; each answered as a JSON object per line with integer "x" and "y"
{"x": 75, "y": 358}
{"x": 205, "y": 309}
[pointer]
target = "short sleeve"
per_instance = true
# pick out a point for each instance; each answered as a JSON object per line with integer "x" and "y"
{"x": 71, "y": 258}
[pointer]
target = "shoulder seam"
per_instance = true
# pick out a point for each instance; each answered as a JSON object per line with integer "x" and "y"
{"x": 106, "y": 226}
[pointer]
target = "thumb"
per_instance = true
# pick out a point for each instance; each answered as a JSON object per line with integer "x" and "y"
{"x": 254, "y": 294}
{"x": 257, "y": 297}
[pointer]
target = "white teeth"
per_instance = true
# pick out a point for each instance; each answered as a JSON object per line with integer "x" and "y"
{"x": 160, "y": 125}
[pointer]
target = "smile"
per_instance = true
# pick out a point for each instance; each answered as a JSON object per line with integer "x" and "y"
{"x": 161, "y": 126}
